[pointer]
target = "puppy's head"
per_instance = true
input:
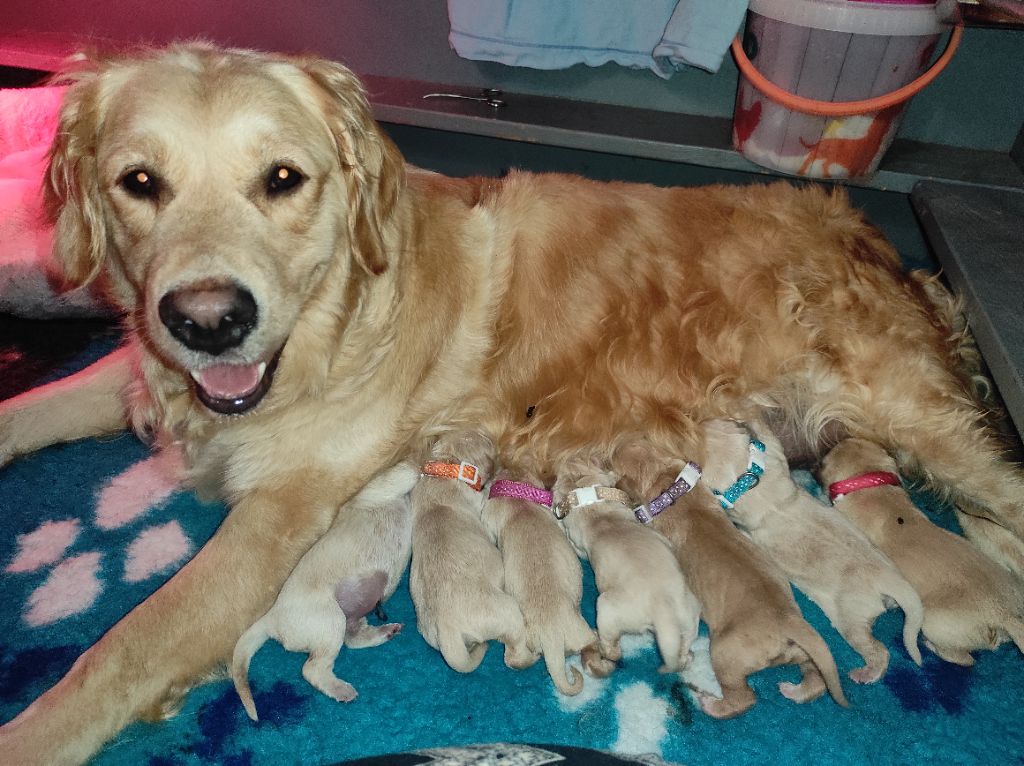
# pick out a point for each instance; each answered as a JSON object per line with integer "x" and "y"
{"x": 852, "y": 457}
{"x": 222, "y": 193}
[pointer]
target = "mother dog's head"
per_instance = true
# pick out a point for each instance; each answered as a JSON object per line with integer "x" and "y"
{"x": 218, "y": 190}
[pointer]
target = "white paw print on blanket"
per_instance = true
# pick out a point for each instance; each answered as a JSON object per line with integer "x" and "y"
{"x": 73, "y": 584}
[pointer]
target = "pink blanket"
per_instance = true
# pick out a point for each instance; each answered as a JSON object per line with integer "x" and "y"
{"x": 28, "y": 119}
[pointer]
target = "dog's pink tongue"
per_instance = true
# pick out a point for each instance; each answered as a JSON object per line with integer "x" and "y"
{"x": 229, "y": 381}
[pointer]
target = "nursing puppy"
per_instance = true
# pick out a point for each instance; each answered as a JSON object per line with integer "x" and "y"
{"x": 544, "y": 576}
{"x": 753, "y": 620}
{"x": 340, "y": 580}
{"x": 820, "y": 552}
{"x": 302, "y": 310}
{"x": 970, "y": 602}
{"x": 456, "y": 578}
{"x": 639, "y": 581}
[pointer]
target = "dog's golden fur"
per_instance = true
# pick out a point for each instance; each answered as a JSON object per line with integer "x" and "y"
{"x": 406, "y": 302}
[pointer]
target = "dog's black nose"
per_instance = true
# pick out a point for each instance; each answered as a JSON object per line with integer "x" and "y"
{"x": 209, "y": 316}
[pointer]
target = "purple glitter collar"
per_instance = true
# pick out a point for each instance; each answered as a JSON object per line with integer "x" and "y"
{"x": 520, "y": 490}
{"x": 685, "y": 481}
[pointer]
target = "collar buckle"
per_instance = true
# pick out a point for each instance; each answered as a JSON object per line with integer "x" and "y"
{"x": 471, "y": 475}
{"x": 747, "y": 480}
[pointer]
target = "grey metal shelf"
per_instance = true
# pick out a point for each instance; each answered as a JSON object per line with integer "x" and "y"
{"x": 978, "y": 238}
{"x": 651, "y": 134}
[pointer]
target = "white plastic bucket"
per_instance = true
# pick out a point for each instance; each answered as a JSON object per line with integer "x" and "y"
{"x": 829, "y": 51}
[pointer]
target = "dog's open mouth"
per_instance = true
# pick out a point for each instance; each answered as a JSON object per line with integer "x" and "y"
{"x": 231, "y": 389}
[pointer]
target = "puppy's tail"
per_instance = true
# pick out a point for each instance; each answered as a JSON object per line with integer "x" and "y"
{"x": 247, "y": 646}
{"x": 903, "y": 593}
{"x": 554, "y": 658}
{"x": 458, "y": 657}
{"x": 814, "y": 645}
{"x": 670, "y": 637}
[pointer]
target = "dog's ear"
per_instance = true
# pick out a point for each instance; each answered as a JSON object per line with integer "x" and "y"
{"x": 71, "y": 186}
{"x": 374, "y": 168}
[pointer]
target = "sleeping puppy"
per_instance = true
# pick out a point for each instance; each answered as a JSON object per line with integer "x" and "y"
{"x": 456, "y": 579}
{"x": 542, "y": 573}
{"x": 340, "y": 580}
{"x": 753, "y": 620}
{"x": 821, "y": 553}
{"x": 970, "y": 601}
{"x": 640, "y": 584}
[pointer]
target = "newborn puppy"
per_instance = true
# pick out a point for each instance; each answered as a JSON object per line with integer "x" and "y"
{"x": 753, "y": 620}
{"x": 542, "y": 573}
{"x": 640, "y": 584}
{"x": 457, "y": 579}
{"x": 970, "y": 601}
{"x": 821, "y": 553}
{"x": 324, "y": 603}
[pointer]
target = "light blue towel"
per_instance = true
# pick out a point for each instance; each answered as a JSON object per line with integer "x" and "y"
{"x": 660, "y": 35}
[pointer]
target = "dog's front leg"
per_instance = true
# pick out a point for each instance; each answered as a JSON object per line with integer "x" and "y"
{"x": 180, "y": 632}
{"x": 88, "y": 403}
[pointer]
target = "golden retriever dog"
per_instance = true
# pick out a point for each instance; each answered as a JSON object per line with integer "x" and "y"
{"x": 456, "y": 580}
{"x": 543, "y": 575}
{"x": 822, "y": 553}
{"x": 341, "y": 579}
{"x": 752, "y": 617}
{"x": 640, "y": 585}
{"x": 970, "y": 602}
{"x": 302, "y": 310}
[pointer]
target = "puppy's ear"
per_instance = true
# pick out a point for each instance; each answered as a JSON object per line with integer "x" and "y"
{"x": 374, "y": 168}
{"x": 71, "y": 187}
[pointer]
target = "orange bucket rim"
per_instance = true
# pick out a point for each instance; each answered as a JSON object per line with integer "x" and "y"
{"x": 845, "y": 108}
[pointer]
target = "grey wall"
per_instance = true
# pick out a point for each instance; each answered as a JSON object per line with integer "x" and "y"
{"x": 977, "y": 102}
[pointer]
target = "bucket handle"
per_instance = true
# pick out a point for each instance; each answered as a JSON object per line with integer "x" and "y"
{"x": 844, "y": 108}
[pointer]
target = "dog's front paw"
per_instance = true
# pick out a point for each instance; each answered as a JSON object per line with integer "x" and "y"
{"x": 6, "y": 441}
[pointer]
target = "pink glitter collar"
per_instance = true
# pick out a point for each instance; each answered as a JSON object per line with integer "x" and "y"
{"x": 520, "y": 490}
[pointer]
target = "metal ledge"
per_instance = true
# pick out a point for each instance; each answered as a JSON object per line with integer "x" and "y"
{"x": 978, "y": 237}
{"x": 686, "y": 138}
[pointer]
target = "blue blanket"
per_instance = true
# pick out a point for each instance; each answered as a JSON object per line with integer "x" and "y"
{"x": 89, "y": 529}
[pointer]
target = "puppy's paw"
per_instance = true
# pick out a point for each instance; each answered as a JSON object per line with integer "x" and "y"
{"x": 340, "y": 691}
{"x": 866, "y": 675}
{"x": 518, "y": 656}
{"x": 725, "y": 708}
{"x": 806, "y": 691}
{"x": 595, "y": 664}
{"x": 956, "y": 656}
{"x": 611, "y": 650}
{"x": 365, "y": 635}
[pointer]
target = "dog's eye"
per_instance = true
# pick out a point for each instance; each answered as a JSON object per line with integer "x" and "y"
{"x": 282, "y": 179}
{"x": 140, "y": 183}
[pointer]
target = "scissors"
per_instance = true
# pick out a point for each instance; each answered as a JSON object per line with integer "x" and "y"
{"x": 490, "y": 96}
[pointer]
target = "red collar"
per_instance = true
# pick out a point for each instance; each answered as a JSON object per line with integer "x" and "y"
{"x": 863, "y": 481}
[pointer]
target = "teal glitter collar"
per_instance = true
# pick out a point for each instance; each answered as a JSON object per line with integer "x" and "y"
{"x": 747, "y": 480}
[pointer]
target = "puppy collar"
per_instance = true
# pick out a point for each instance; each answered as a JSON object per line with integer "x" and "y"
{"x": 862, "y": 481}
{"x": 584, "y": 496}
{"x": 685, "y": 481}
{"x": 464, "y": 472}
{"x": 520, "y": 490}
{"x": 747, "y": 480}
